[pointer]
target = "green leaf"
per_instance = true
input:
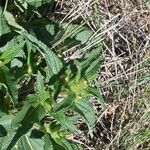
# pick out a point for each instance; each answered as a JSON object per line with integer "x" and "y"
{"x": 32, "y": 103}
{"x": 4, "y": 29}
{"x": 59, "y": 139}
{"x": 84, "y": 35}
{"x": 85, "y": 109}
{"x": 37, "y": 3}
{"x": 31, "y": 113}
{"x": 66, "y": 144}
{"x": 8, "y": 79}
{"x": 12, "y": 22}
{"x": 66, "y": 103}
{"x": 42, "y": 93}
{"x": 12, "y": 49}
{"x": 90, "y": 73}
{"x": 44, "y": 30}
{"x": 97, "y": 94}
{"x": 5, "y": 121}
{"x": 53, "y": 62}
{"x": 50, "y": 144}
{"x": 90, "y": 64}
{"x": 64, "y": 121}
{"x": 31, "y": 117}
{"x": 79, "y": 32}
{"x": 27, "y": 143}
{"x": 20, "y": 116}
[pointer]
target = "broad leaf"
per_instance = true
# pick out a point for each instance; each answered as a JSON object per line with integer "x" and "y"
{"x": 66, "y": 144}
{"x": 91, "y": 63}
{"x": 12, "y": 49}
{"x": 32, "y": 116}
{"x": 8, "y": 79}
{"x": 90, "y": 73}
{"x": 32, "y": 102}
{"x": 66, "y": 103}
{"x": 85, "y": 109}
{"x": 64, "y": 121}
{"x": 53, "y": 62}
{"x": 79, "y": 32}
{"x": 27, "y": 143}
{"x": 50, "y": 144}
{"x": 12, "y": 22}
{"x": 5, "y": 121}
{"x": 42, "y": 93}
{"x": 4, "y": 29}
{"x": 96, "y": 93}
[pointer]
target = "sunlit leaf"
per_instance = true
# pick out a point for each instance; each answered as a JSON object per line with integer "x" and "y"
{"x": 12, "y": 22}
{"x": 53, "y": 62}
{"x": 3, "y": 24}
{"x": 12, "y": 49}
{"x": 85, "y": 109}
{"x": 64, "y": 121}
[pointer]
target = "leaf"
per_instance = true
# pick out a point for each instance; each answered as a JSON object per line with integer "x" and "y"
{"x": 64, "y": 121}
{"x": 42, "y": 93}
{"x": 27, "y": 143}
{"x": 57, "y": 138}
{"x": 97, "y": 94}
{"x": 66, "y": 103}
{"x": 85, "y": 109}
{"x": 31, "y": 113}
{"x": 5, "y": 121}
{"x": 79, "y": 32}
{"x": 37, "y": 3}
{"x": 90, "y": 73}
{"x": 8, "y": 79}
{"x": 76, "y": 146}
{"x": 50, "y": 144}
{"x": 4, "y": 29}
{"x": 91, "y": 56}
{"x": 32, "y": 116}
{"x": 44, "y": 30}
{"x": 84, "y": 35}
{"x": 66, "y": 144}
{"x": 91, "y": 64}
{"x": 88, "y": 66}
{"x": 12, "y": 22}
{"x": 12, "y": 49}
{"x": 53, "y": 62}
{"x": 32, "y": 103}
{"x": 20, "y": 116}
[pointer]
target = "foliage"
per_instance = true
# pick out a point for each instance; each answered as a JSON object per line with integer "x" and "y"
{"x": 37, "y": 86}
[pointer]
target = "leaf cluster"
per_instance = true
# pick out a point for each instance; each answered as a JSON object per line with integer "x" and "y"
{"x": 37, "y": 86}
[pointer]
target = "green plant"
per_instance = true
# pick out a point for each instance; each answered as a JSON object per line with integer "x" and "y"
{"x": 37, "y": 87}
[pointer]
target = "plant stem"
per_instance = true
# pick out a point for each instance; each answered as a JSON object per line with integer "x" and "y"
{"x": 5, "y": 6}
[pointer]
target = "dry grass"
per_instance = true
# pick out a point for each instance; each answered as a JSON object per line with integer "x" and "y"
{"x": 123, "y": 29}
